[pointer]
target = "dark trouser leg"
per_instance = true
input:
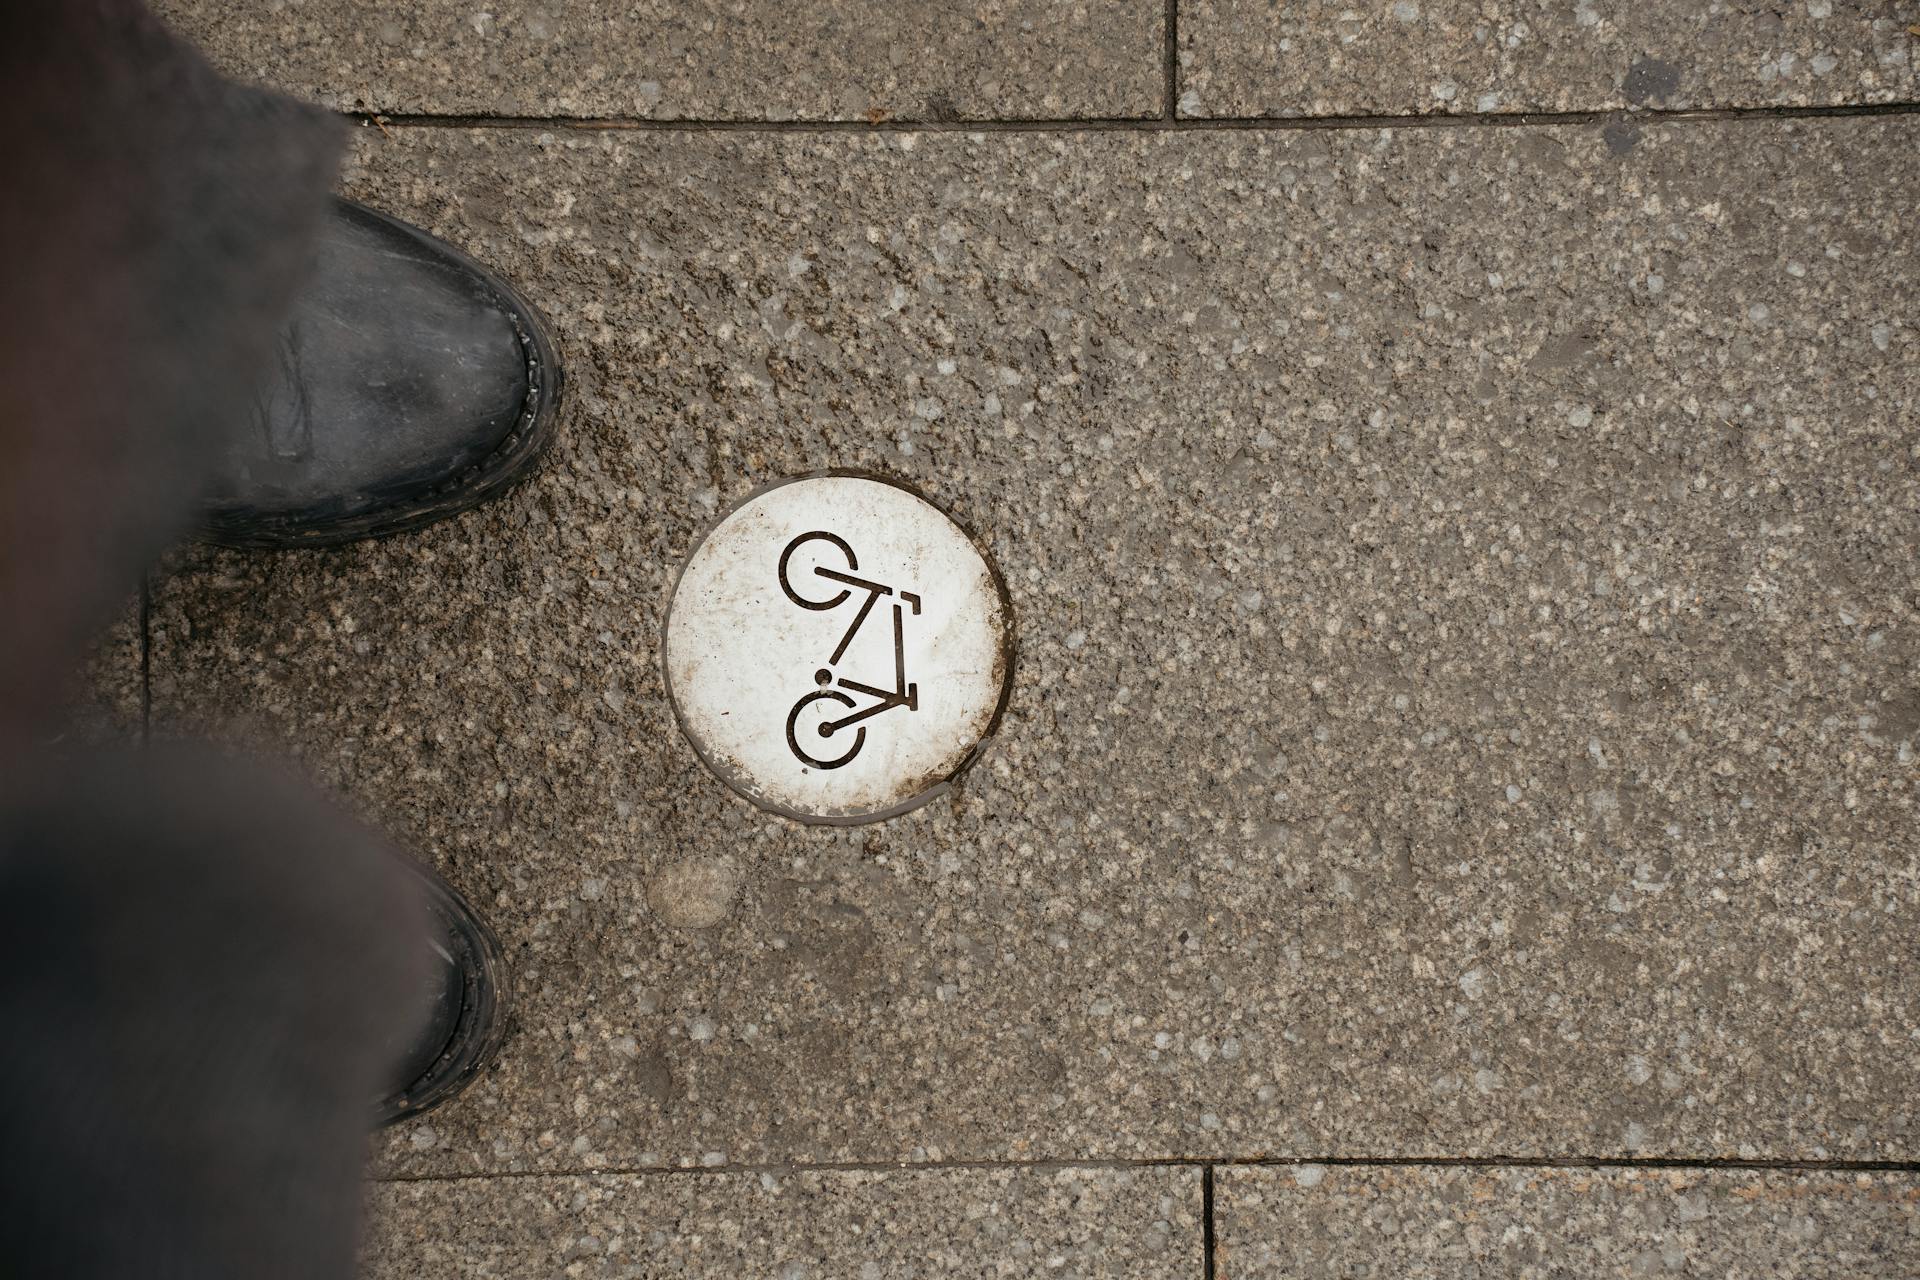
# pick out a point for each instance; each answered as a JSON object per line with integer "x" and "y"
{"x": 201, "y": 970}
{"x": 202, "y": 973}
{"x": 155, "y": 222}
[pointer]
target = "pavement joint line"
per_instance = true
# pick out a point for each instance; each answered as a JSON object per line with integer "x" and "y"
{"x": 1208, "y": 1165}
{"x": 1207, "y": 1229}
{"x": 1170, "y": 41}
{"x": 1143, "y": 124}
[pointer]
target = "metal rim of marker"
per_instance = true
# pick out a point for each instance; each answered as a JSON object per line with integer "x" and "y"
{"x": 838, "y": 648}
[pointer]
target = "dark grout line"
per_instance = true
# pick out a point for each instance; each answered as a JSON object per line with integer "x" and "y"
{"x": 1207, "y": 1238}
{"x": 1577, "y": 1162}
{"x": 1206, "y": 1164}
{"x": 1170, "y": 38}
{"x": 1167, "y": 122}
{"x": 146, "y": 658}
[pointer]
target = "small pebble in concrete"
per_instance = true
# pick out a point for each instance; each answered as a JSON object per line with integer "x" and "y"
{"x": 694, "y": 893}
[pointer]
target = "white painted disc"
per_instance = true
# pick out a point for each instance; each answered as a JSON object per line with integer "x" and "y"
{"x": 837, "y": 648}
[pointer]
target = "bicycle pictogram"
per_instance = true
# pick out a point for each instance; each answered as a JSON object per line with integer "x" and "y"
{"x": 813, "y": 716}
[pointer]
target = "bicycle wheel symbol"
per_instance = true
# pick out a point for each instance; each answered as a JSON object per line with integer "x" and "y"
{"x": 818, "y": 727}
{"x": 786, "y": 559}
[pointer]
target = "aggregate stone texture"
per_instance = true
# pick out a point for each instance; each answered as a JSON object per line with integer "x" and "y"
{"x": 1467, "y": 680}
{"x": 1311, "y": 1222}
{"x": 916, "y": 1225}
{"x": 1395, "y": 57}
{"x": 864, "y": 60}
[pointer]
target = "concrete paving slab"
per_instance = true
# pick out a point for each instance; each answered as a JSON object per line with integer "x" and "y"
{"x": 1450, "y": 57}
{"x": 1443, "y": 1224}
{"x": 1465, "y": 701}
{"x": 1090, "y": 1224}
{"x": 698, "y": 59}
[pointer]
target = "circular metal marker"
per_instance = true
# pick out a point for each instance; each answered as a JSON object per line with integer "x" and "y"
{"x": 838, "y": 648}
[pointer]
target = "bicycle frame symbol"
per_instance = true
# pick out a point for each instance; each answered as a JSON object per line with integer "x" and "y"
{"x": 903, "y": 694}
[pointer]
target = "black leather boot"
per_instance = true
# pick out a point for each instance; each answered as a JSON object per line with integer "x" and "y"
{"x": 411, "y": 383}
{"x": 468, "y": 1018}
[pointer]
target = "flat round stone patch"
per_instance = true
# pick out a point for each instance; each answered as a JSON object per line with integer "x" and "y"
{"x": 838, "y": 648}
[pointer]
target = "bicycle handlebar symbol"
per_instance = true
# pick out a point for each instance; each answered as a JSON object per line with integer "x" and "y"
{"x": 903, "y": 694}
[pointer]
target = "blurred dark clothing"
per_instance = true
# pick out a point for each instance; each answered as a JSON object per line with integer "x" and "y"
{"x": 199, "y": 963}
{"x": 202, "y": 969}
{"x": 155, "y": 220}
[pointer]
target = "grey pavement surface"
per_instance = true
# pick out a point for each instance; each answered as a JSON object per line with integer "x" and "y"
{"x": 1465, "y": 593}
{"x": 699, "y": 59}
{"x": 863, "y": 60}
{"x": 1505, "y": 1224}
{"x": 1469, "y": 665}
{"x": 1393, "y": 57}
{"x": 1075, "y": 1224}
